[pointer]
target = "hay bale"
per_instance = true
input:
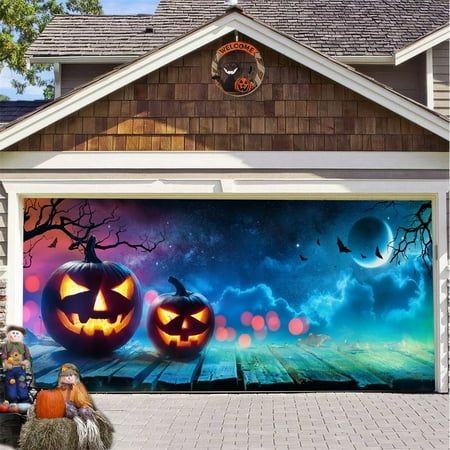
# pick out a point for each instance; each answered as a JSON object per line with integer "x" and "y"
{"x": 57, "y": 434}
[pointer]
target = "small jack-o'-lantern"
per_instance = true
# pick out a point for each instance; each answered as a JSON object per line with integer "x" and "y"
{"x": 92, "y": 306}
{"x": 180, "y": 324}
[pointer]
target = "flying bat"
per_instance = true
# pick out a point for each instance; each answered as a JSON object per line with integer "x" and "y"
{"x": 53, "y": 244}
{"x": 303, "y": 258}
{"x": 363, "y": 256}
{"x": 342, "y": 247}
{"x": 377, "y": 252}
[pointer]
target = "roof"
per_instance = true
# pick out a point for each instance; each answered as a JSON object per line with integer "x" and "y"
{"x": 233, "y": 20}
{"x": 423, "y": 44}
{"x": 335, "y": 27}
{"x": 11, "y": 110}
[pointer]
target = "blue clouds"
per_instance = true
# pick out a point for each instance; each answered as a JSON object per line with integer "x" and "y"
{"x": 257, "y": 299}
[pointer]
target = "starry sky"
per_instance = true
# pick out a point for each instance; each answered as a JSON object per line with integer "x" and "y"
{"x": 272, "y": 270}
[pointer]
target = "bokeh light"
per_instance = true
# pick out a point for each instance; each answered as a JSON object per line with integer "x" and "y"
{"x": 258, "y": 323}
{"x": 245, "y": 340}
{"x": 273, "y": 321}
{"x": 231, "y": 334}
{"x": 30, "y": 311}
{"x": 246, "y": 318}
{"x": 150, "y": 296}
{"x": 221, "y": 334}
{"x": 32, "y": 283}
{"x": 220, "y": 321}
{"x": 296, "y": 326}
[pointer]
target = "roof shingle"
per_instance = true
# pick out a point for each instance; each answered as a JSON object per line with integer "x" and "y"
{"x": 335, "y": 27}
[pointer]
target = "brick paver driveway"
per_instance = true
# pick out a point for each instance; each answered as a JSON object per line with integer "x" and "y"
{"x": 278, "y": 421}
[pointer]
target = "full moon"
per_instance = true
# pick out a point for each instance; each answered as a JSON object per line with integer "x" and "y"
{"x": 365, "y": 236}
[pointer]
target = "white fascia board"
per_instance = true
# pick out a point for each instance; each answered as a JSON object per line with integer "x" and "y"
{"x": 227, "y": 24}
{"x": 366, "y": 60}
{"x": 119, "y": 59}
{"x": 224, "y": 160}
{"x": 422, "y": 45}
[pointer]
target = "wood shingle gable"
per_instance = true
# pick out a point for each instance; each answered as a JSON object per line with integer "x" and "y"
{"x": 167, "y": 100}
{"x": 178, "y": 107}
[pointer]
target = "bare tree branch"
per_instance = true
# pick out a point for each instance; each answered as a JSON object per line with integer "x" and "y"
{"x": 78, "y": 221}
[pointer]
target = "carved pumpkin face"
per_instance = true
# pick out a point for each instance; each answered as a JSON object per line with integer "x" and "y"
{"x": 180, "y": 324}
{"x": 92, "y": 306}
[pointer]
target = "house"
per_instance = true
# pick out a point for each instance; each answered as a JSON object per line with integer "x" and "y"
{"x": 246, "y": 104}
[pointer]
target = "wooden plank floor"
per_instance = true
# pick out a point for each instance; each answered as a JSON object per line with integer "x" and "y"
{"x": 228, "y": 368}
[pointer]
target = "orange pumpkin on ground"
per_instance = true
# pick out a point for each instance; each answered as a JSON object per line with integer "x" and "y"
{"x": 50, "y": 404}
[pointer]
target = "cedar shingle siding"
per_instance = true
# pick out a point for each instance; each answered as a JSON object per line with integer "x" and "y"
{"x": 179, "y": 108}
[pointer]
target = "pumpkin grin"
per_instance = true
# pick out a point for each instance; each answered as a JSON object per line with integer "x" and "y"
{"x": 92, "y": 324}
{"x": 178, "y": 341}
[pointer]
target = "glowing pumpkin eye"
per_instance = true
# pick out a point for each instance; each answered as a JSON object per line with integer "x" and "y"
{"x": 70, "y": 287}
{"x": 201, "y": 316}
{"x": 166, "y": 316}
{"x": 126, "y": 288}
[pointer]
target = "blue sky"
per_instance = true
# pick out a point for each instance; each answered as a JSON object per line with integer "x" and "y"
{"x": 109, "y": 7}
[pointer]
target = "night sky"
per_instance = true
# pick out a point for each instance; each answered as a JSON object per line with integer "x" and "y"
{"x": 276, "y": 259}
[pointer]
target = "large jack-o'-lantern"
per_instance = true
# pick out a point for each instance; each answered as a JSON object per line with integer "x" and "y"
{"x": 180, "y": 324}
{"x": 92, "y": 306}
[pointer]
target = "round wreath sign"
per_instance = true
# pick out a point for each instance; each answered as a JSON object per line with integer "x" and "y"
{"x": 237, "y": 68}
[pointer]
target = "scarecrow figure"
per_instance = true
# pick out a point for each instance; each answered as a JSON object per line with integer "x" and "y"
{"x": 79, "y": 406}
{"x": 16, "y": 361}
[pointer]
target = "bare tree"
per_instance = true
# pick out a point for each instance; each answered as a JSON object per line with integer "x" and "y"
{"x": 418, "y": 231}
{"x": 79, "y": 222}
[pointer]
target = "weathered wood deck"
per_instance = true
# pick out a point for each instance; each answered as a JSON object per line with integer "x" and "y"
{"x": 263, "y": 368}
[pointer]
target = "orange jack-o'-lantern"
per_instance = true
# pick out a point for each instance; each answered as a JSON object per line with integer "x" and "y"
{"x": 180, "y": 324}
{"x": 243, "y": 84}
{"x": 92, "y": 306}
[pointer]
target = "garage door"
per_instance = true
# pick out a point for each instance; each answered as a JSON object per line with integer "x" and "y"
{"x": 231, "y": 295}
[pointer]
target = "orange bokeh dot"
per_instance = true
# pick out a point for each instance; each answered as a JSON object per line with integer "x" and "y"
{"x": 32, "y": 283}
{"x": 231, "y": 334}
{"x": 258, "y": 323}
{"x": 246, "y": 318}
{"x": 296, "y": 326}
{"x": 271, "y": 314}
{"x": 221, "y": 334}
{"x": 150, "y": 296}
{"x": 273, "y": 323}
{"x": 220, "y": 321}
{"x": 245, "y": 340}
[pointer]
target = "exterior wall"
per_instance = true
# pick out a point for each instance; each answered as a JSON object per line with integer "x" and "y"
{"x": 408, "y": 78}
{"x": 75, "y": 75}
{"x": 441, "y": 81}
{"x": 180, "y": 108}
{"x": 3, "y": 234}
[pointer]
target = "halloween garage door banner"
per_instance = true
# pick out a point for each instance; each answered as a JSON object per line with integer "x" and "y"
{"x": 161, "y": 295}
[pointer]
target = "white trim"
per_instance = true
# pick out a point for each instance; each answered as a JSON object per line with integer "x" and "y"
{"x": 368, "y": 59}
{"x": 416, "y": 48}
{"x": 57, "y": 73}
{"x": 119, "y": 59}
{"x": 223, "y": 160}
{"x": 239, "y": 187}
{"x": 203, "y": 36}
{"x": 430, "y": 78}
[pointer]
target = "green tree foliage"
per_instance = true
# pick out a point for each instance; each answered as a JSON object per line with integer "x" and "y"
{"x": 21, "y": 21}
